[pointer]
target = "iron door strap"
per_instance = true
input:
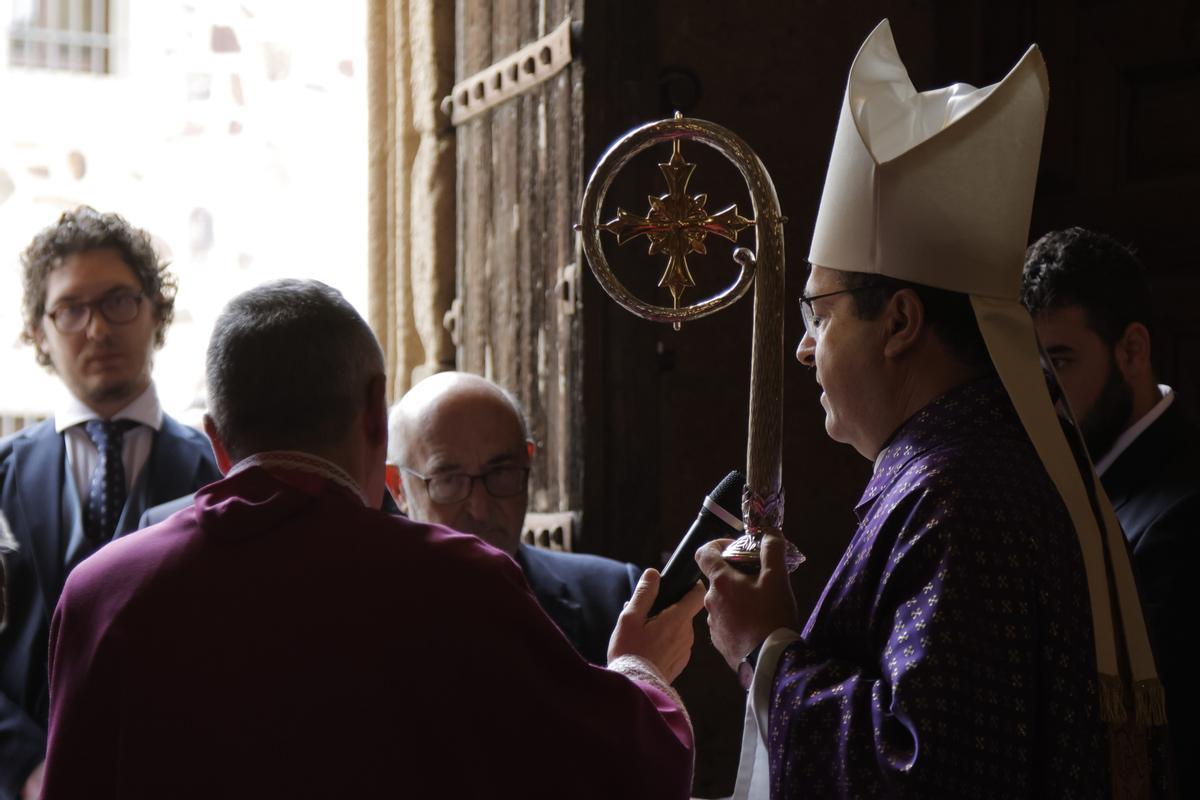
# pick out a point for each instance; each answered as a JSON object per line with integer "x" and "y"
{"x": 532, "y": 64}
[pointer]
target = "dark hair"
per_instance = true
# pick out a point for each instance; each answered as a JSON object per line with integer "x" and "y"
{"x": 948, "y": 314}
{"x": 1078, "y": 267}
{"x": 83, "y": 230}
{"x": 288, "y": 365}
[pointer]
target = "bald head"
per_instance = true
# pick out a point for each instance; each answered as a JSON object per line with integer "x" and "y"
{"x": 455, "y": 424}
{"x": 437, "y": 393}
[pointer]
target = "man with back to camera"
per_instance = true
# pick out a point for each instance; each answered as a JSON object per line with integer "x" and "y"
{"x": 97, "y": 304}
{"x": 1090, "y": 301}
{"x": 282, "y": 637}
{"x": 964, "y": 646}
{"x": 463, "y": 452}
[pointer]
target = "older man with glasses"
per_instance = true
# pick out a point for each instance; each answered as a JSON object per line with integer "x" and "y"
{"x": 97, "y": 304}
{"x": 463, "y": 453}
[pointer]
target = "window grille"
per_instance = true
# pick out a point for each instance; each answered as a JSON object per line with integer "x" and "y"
{"x": 66, "y": 35}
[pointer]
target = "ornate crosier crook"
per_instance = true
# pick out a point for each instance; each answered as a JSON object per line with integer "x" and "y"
{"x": 677, "y": 225}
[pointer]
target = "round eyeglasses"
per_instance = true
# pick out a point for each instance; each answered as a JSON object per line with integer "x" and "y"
{"x": 119, "y": 308}
{"x": 454, "y": 487}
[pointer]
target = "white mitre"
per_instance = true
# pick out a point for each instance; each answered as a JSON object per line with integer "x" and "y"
{"x": 937, "y": 188}
{"x": 933, "y": 187}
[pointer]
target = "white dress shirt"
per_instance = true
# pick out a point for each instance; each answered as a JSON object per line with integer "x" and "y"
{"x": 1135, "y": 430}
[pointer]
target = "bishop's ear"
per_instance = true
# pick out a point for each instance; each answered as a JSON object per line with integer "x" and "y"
{"x": 904, "y": 322}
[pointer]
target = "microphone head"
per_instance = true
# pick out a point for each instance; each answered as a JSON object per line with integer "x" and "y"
{"x": 728, "y": 493}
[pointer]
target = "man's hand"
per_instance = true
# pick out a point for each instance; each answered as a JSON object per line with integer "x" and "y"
{"x": 744, "y": 609}
{"x": 666, "y": 640}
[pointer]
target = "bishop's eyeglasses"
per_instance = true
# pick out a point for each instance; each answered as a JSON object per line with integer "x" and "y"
{"x": 812, "y": 321}
{"x": 117, "y": 308}
{"x": 454, "y": 487}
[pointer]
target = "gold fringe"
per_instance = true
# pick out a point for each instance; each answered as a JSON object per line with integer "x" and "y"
{"x": 1150, "y": 703}
{"x": 1112, "y": 705}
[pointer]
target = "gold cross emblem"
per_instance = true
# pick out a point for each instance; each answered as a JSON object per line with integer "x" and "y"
{"x": 677, "y": 224}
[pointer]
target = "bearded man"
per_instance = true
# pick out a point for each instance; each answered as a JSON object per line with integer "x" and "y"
{"x": 1090, "y": 301}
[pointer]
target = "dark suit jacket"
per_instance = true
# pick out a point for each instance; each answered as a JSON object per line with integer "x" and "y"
{"x": 32, "y": 485}
{"x": 155, "y": 515}
{"x": 1155, "y": 488}
{"x": 583, "y": 594}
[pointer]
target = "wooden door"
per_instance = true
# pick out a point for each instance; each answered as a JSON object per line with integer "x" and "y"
{"x": 519, "y": 168}
{"x": 527, "y": 315}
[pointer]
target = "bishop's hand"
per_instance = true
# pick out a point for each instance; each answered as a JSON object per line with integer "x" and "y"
{"x": 743, "y": 610}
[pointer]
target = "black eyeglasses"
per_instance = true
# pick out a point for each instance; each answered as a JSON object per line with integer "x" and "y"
{"x": 812, "y": 323}
{"x": 118, "y": 308}
{"x": 454, "y": 487}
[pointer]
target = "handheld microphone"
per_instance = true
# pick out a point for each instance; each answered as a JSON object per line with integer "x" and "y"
{"x": 720, "y": 516}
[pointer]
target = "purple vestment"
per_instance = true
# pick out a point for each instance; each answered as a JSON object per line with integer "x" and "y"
{"x": 281, "y": 640}
{"x": 951, "y": 654}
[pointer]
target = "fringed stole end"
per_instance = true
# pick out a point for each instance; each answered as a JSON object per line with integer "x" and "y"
{"x": 1150, "y": 703}
{"x": 1112, "y": 705}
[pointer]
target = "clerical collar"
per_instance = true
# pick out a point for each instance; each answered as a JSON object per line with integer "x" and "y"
{"x": 144, "y": 410}
{"x": 1136, "y": 429}
{"x": 293, "y": 460}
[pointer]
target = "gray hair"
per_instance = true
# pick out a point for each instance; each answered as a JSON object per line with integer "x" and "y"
{"x": 288, "y": 366}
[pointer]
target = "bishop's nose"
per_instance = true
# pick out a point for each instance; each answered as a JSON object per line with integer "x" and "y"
{"x": 806, "y": 351}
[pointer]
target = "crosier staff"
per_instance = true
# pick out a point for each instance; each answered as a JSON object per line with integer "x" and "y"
{"x": 677, "y": 225}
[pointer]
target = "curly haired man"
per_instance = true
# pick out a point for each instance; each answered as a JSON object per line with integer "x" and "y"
{"x": 97, "y": 304}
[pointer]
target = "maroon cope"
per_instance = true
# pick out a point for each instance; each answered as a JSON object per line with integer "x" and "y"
{"x": 280, "y": 639}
